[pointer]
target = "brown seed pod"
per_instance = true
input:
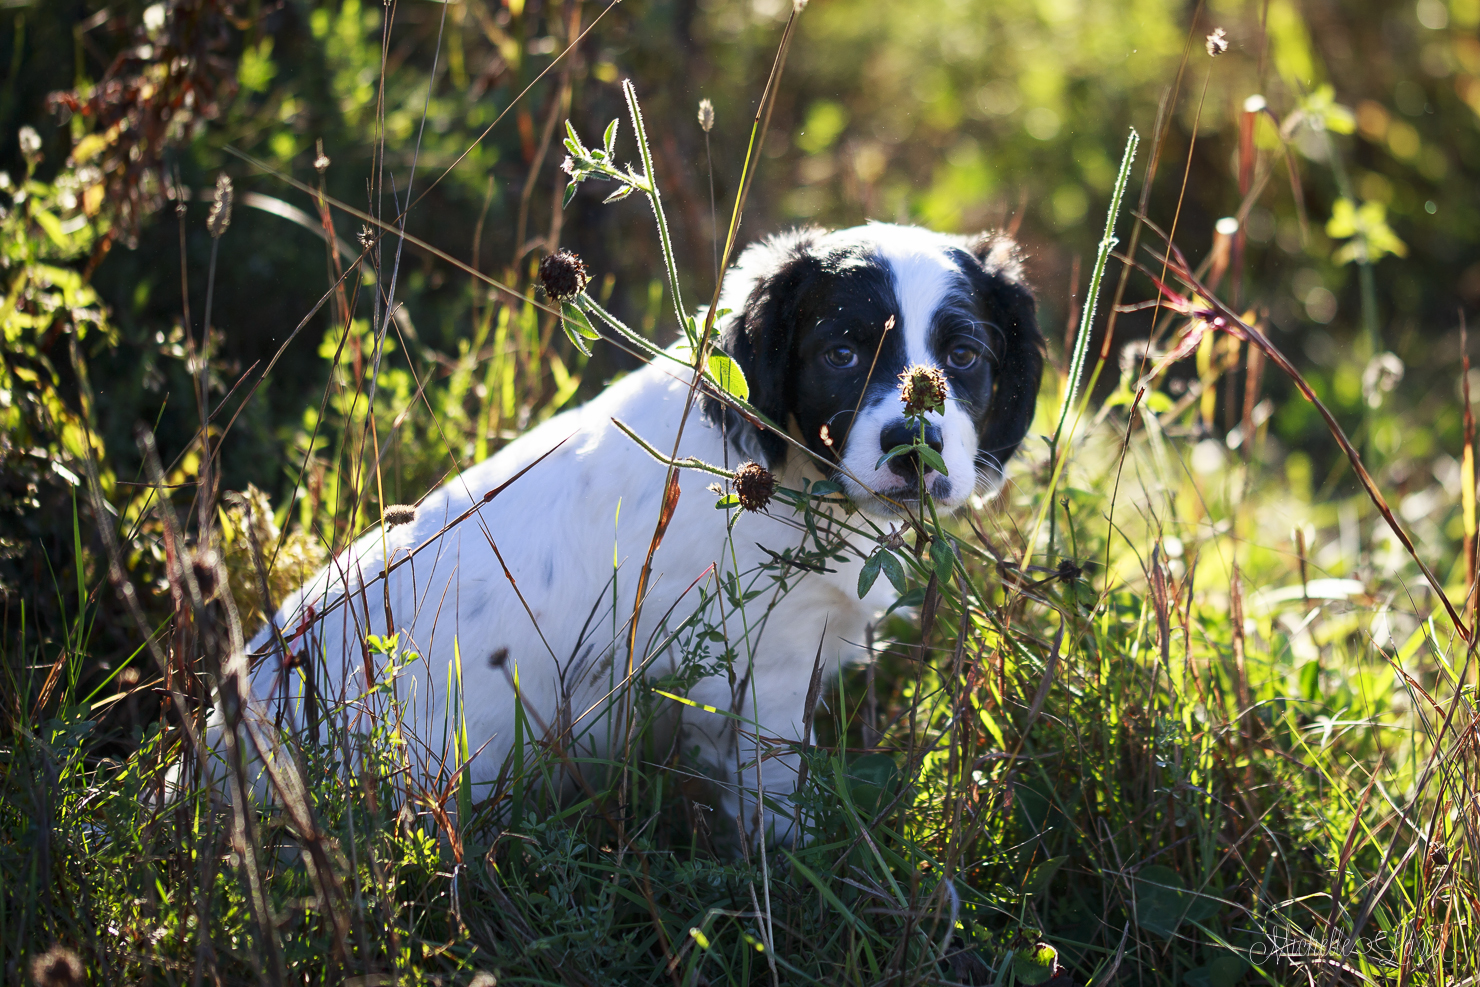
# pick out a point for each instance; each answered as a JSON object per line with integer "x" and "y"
{"x": 923, "y": 389}
{"x": 563, "y": 275}
{"x": 754, "y": 486}
{"x": 207, "y": 569}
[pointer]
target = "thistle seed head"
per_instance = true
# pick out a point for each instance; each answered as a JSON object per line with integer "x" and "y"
{"x": 923, "y": 389}
{"x": 398, "y": 514}
{"x": 563, "y": 275}
{"x": 754, "y": 486}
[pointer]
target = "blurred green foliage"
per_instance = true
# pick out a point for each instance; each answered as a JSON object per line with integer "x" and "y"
{"x": 1359, "y": 233}
{"x": 1345, "y": 139}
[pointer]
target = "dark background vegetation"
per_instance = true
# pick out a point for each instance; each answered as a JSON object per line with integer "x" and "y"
{"x": 956, "y": 115}
{"x": 961, "y": 115}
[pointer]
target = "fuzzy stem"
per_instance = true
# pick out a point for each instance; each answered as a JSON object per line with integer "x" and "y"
{"x": 650, "y": 188}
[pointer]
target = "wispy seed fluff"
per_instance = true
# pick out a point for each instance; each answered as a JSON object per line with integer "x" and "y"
{"x": 220, "y": 217}
{"x": 398, "y": 514}
{"x": 706, "y": 115}
{"x": 1217, "y": 42}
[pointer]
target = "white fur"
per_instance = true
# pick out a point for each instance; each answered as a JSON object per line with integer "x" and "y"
{"x": 559, "y": 532}
{"x": 924, "y": 276}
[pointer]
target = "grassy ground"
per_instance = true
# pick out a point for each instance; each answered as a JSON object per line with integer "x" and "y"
{"x": 1162, "y": 713}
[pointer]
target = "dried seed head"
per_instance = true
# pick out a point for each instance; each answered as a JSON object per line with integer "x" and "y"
{"x": 128, "y": 678}
{"x": 366, "y": 236}
{"x": 207, "y": 569}
{"x": 706, "y": 115}
{"x": 58, "y": 967}
{"x": 563, "y": 275}
{"x": 923, "y": 389}
{"x": 1217, "y": 42}
{"x": 220, "y": 216}
{"x": 30, "y": 142}
{"x": 398, "y": 514}
{"x": 321, "y": 162}
{"x": 754, "y": 486}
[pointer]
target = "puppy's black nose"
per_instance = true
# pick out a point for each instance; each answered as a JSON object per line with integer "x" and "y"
{"x": 902, "y": 432}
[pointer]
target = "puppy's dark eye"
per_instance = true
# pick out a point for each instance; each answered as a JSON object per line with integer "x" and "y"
{"x": 963, "y": 357}
{"x": 841, "y": 357}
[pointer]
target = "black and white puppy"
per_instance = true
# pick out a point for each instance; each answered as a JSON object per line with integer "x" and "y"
{"x": 542, "y": 577}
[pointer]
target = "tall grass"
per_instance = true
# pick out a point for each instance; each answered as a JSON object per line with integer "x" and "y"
{"x": 1164, "y": 739}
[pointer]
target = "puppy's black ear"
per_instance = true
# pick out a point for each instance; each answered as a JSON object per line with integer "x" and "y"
{"x": 1019, "y": 367}
{"x": 764, "y": 291}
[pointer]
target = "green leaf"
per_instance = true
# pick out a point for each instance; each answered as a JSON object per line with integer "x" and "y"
{"x": 892, "y": 569}
{"x": 609, "y": 139}
{"x": 621, "y": 193}
{"x": 932, "y": 459}
{"x": 869, "y": 573}
{"x": 824, "y": 487}
{"x": 575, "y": 337}
{"x": 728, "y": 501}
{"x": 728, "y": 375}
{"x": 913, "y": 598}
{"x": 1310, "y": 681}
{"x": 1159, "y": 402}
{"x": 1225, "y": 971}
{"x": 1035, "y": 964}
{"x": 871, "y": 779}
{"x": 576, "y": 318}
{"x": 898, "y": 450}
{"x": 1163, "y": 901}
{"x": 943, "y": 558}
{"x": 1042, "y": 874}
{"x": 571, "y": 132}
{"x": 570, "y": 193}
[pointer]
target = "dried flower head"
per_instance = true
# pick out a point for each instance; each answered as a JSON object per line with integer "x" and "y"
{"x": 30, "y": 142}
{"x": 754, "y": 486}
{"x": 398, "y": 514}
{"x": 1217, "y": 42}
{"x": 366, "y": 236}
{"x": 321, "y": 160}
{"x": 706, "y": 115}
{"x": 220, "y": 217}
{"x": 57, "y": 967}
{"x": 563, "y": 275}
{"x": 923, "y": 389}
{"x": 207, "y": 569}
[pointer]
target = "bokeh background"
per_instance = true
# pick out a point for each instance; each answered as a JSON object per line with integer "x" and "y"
{"x": 958, "y": 115}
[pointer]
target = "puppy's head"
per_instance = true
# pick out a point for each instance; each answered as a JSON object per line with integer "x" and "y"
{"x": 823, "y": 324}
